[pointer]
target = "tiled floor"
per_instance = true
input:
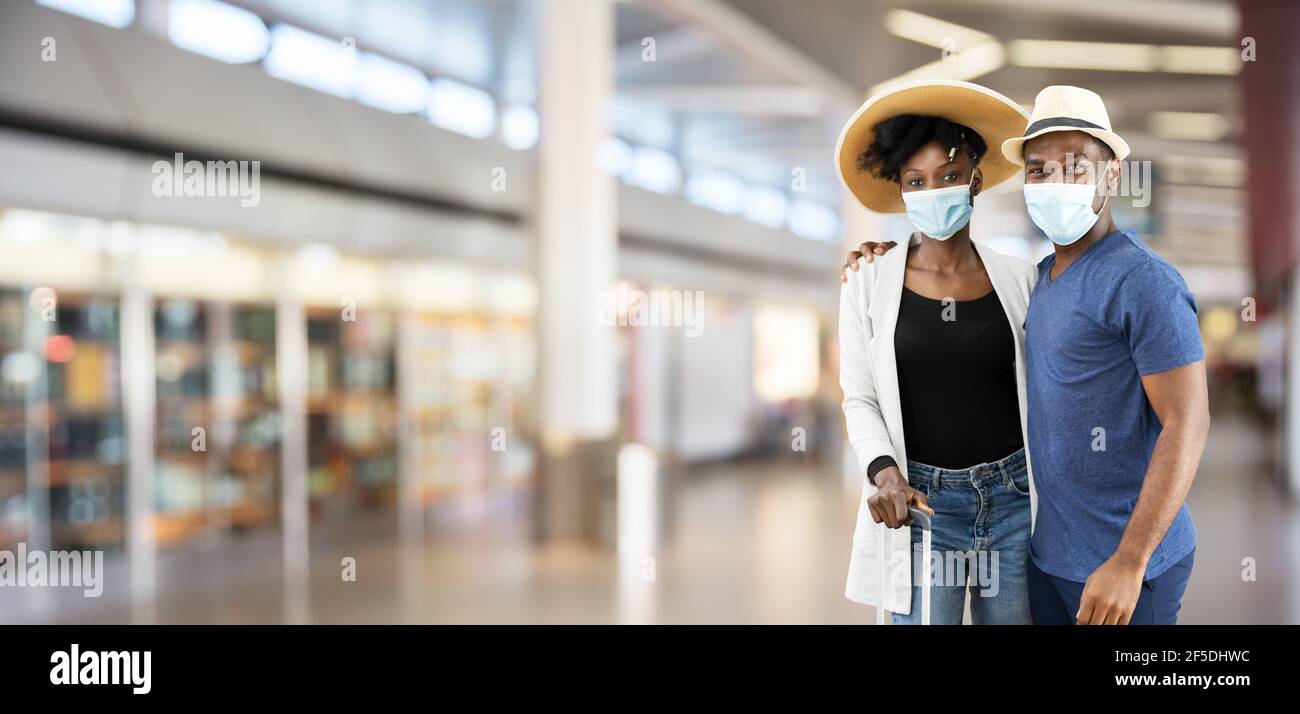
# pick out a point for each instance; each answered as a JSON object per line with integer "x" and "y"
{"x": 754, "y": 544}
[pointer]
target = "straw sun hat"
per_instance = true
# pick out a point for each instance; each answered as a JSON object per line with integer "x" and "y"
{"x": 994, "y": 117}
{"x": 1061, "y": 107}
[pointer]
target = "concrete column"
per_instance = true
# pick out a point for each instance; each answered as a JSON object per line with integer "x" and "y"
{"x": 1269, "y": 88}
{"x": 291, "y": 377}
{"x": 138, "y": 405}
{"x": 1291, "y": 404}
{"x": 577, "y": 254}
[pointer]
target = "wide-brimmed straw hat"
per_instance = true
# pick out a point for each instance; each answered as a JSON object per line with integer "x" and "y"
{"x": 991, "y": 115}
{"x": 1061, "y": 107}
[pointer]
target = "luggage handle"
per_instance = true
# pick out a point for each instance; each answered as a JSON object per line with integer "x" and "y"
{"x": 919, "y": 517}
{"x": 922, "y": 519}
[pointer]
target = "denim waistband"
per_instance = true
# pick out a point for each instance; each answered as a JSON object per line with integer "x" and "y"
{"x": 935, "y": 477}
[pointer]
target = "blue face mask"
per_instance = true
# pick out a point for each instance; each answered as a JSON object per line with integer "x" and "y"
{"x": 1063, "y": 211}
{"x": 940, "y": 212}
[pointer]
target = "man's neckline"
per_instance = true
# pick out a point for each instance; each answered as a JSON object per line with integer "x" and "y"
{"x": 1088, "y": 251}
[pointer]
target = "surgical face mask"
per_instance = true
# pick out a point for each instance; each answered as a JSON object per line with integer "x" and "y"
{"x": 939, "y": 212}
{"x": 1063, "y": 211}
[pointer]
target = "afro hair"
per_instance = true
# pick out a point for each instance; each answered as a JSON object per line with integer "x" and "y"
{"x": 897, "y": 138}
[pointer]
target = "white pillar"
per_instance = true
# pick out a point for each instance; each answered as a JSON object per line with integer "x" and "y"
{"x": 577, "y": 263}
{"x": 291, "y": 376}
{"x": 138, "y": 389}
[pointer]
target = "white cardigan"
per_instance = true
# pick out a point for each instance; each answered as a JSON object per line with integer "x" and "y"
{"x": 872, "y": 412}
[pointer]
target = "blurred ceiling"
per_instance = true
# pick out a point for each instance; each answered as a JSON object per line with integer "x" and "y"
{"x": 742, "y": 50}
{"x": 758, "y": 88}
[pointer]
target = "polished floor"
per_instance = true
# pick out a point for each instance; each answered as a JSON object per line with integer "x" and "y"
{"x": 753, "y": 544}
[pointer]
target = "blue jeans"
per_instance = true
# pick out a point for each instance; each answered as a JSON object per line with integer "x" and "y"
{"x": 1056, "y": 600}
{"x": 979, "y": 540}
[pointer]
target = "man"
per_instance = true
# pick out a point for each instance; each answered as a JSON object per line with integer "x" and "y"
{"x": 1118, "y": 405}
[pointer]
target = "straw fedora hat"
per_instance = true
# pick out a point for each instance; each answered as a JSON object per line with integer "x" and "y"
{"x": 994, "y": 117}
{"x": 1061, "y": 107}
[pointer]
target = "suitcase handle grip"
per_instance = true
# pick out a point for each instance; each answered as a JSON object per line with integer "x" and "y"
{"x": 919, "y": 518}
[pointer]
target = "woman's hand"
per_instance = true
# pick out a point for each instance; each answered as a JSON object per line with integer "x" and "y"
{"x": 869, "y": 250}
{"x": 892, "y": 498}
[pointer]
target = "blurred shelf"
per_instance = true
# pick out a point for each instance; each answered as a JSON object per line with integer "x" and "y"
{"x": 352, "y": 412}
{"x": 215, "y": 368}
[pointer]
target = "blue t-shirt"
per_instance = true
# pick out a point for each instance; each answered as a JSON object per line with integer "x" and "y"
{"x": 1117, "y": 313}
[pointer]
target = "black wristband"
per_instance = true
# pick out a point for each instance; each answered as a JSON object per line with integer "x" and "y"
{"x": 879, "y": 464}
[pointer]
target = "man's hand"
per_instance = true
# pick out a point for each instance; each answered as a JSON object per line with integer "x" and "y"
{"x": 1181, "y": 402}
{"x": 892, "y": 498}
{"x": 1111, "y": 593}
{"x": 870, "y": 250}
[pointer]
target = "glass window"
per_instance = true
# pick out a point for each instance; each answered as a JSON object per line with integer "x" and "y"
{"x": 719, "y": 191}
{"x": 390, "y": 86}
{"x": 458, "y": 107}
{"x": 813, "y": 221}
{"x": 217, "y": 30}
{"x": 519, "y": 127}
{"x": 311, "y": 60}
{"x": 114, "y": 13}
{"x": 655, "y": 170}
{"x": 615, "y": 156}
{"x": 766, "y": 206}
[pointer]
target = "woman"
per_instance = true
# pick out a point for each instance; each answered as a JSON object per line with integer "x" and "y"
{"x": 931, "y": 360}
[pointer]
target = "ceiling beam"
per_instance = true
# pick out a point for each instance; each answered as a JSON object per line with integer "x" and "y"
{"x": 798, "y": 101}
{"x": 738, "y": 31}
{"x": 1212, "y": 20}
{"x": 671, "y": 48}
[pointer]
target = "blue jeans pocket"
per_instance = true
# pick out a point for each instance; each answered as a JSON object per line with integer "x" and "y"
{"x": 1018, "y": 483}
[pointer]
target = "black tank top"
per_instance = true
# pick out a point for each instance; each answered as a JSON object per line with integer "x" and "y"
{"x": 957, "y": 380}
